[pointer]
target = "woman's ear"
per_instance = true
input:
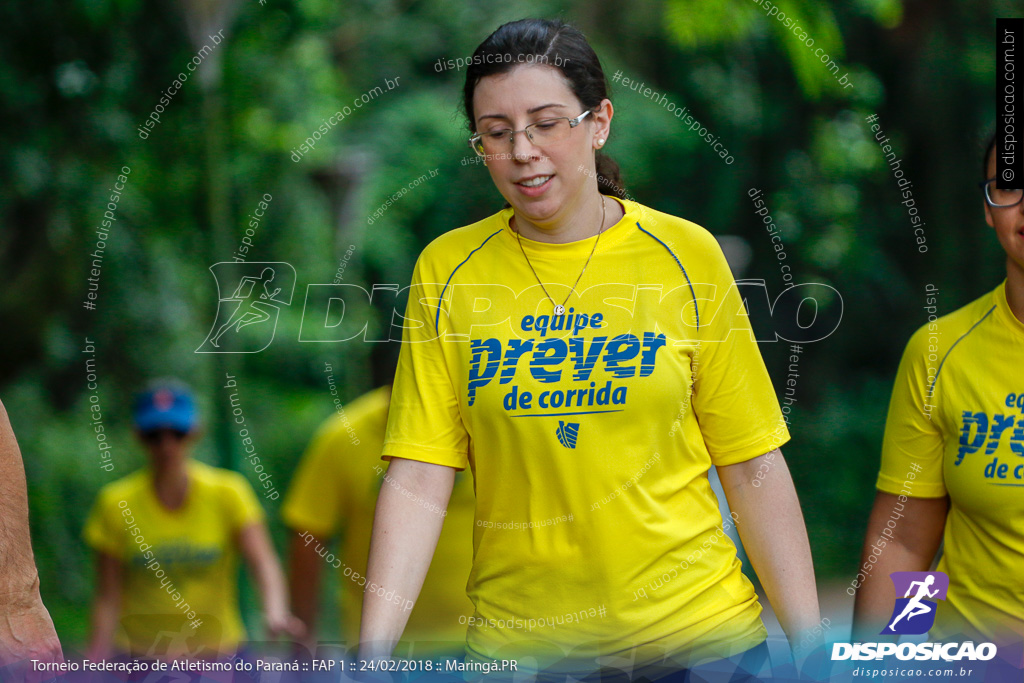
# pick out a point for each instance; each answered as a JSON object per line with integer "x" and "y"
{"x": 602, "y": 123}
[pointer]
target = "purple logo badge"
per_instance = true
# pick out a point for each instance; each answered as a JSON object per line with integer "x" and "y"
{"x": 914, "y": 612}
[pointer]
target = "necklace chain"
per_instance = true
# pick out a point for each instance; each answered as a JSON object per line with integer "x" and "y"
{"x": 560, "y": 308}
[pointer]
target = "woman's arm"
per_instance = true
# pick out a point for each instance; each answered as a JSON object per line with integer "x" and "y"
{"x": 406, "y": 527}
{"x": 106, "y": 606}
{"x": 771, "y": 526}
{"x": 304, "y": 582}
{"x": 254, "y": 542}
{"x": 910, "y": 546}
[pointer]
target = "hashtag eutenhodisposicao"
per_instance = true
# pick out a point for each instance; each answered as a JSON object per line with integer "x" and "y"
{"x": 679, "y": 112}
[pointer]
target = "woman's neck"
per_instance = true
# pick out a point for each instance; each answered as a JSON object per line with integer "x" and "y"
{"x": 171, "y": 483}
{"x": 582, "y": 221}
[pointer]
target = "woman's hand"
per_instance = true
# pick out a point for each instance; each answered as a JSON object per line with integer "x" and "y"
{"x": 283, "y": 623}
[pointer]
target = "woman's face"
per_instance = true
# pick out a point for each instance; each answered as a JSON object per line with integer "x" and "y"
{"x": 167, "y": 446}
{"x": 522, "y": 96}
{"x": 1008, "y": 222}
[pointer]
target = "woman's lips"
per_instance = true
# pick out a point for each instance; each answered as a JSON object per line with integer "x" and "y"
{"x": 537, "y": 190}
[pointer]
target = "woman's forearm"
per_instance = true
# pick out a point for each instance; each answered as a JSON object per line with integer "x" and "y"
{"x": 406, "y": 526}
{"x": 255, "y": 543}
{"x": 105, "y": 612}
{"x": 772, "y": 529}
{"x": 304, "y": 581}
{"x": 106, "y": 607}
{"x": 256, "y": 546}
{"x": 909, "y": 545}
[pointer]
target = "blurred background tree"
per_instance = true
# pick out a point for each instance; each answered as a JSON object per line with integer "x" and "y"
{"x": 79, "y": 77}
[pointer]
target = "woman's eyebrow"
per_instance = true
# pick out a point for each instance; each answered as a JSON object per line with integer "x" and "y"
{"x": 533, "y": 110}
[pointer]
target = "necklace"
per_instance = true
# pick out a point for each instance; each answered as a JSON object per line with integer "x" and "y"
{"x": 560, "y": 308}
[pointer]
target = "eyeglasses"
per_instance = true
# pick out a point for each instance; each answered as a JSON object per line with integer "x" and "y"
{"x": 156, "y": 436}
{"x": 540, "y": 133}
{"x": 1000, "y": 199}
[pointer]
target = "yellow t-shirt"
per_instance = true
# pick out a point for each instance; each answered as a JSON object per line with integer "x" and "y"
{"x": 956, "y": 428}
{"x": 179, "y": 566}
{"x": 596, "y": 529}
{"x": 335, "y": 491}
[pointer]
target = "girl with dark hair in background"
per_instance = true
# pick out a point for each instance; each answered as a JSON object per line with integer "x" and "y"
{"x": 951, "y": 459}
{"x": 611, "y": 370}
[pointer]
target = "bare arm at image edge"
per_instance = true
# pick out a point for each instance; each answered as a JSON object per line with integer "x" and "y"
{"x": 406, "y": 527}
{"x": 772, "y": 529}
{"x": 909, "y": 547}
{"x": 26, "y": 630}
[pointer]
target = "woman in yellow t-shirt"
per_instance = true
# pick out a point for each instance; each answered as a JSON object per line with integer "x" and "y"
{"x": 167, "y": 540}
{"x": 589, "y": 358}
{"x": 951, "y": 468}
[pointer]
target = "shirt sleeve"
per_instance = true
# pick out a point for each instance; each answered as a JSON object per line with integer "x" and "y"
{"x": 240, "y": 503}
{"x": 317, "y": 494}
{"x": 424, "y": 421}
{"x": 913, "y": 447}
{"x": 733, "y": 396}
{"x": 99, "y": 532}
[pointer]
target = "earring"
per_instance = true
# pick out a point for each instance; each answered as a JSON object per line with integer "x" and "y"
{"x": 600, "y": 142}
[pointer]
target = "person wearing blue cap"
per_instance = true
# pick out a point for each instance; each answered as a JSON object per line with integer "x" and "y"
{"x": 168, "y": 537}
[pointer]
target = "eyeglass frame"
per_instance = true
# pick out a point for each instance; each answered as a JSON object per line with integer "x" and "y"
{"x": 988, "y": 200}
{"x": 573, "y": 122}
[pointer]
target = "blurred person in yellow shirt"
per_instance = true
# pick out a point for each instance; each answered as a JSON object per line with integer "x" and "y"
{"x": 167, "y": 540}
{"x": 333, "y": 495}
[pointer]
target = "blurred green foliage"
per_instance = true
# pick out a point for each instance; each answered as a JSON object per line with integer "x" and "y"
{"x": 78, "y": 77}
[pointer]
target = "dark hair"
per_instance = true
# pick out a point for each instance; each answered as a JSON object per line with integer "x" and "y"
{"x": 555, "y": 44}
{"x": 984, "y": 160}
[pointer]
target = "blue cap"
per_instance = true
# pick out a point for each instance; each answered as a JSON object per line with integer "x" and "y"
{"x": 165, "y": 407}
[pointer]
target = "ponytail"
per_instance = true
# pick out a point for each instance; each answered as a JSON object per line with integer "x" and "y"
{"x": 609, "y": 178}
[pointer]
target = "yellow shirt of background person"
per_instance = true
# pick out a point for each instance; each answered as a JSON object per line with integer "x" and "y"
{"x": 176, "y": 563}
{"x": 956, "y": 428}
{"x": 335, "y": 492}
{"x": 597, "y": 529}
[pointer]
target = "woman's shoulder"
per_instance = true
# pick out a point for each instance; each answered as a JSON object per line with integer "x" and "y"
{"x": 124, "y": 489}
{"x": 446, "y": 251}
{"x": 692, "y": 245}
{"x": 940, "y": 334}
{"x": 668, "y": 227}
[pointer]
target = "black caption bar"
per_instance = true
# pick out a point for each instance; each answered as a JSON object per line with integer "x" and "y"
{"x": 1009, "y": 152}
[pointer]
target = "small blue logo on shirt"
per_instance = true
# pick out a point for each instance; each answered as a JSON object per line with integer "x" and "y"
{"x": 914, "y": 613}
{"x": 567, "y": 433}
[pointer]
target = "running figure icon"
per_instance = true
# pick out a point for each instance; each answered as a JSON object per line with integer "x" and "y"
{"x": 250, "y": 298}
{"x": 915, "y": 606}
{"x": 250, "y": 310}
